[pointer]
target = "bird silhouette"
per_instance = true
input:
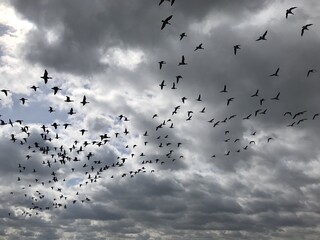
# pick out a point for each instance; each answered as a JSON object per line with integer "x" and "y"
{"x": 45, "y": 76}
{"x": 224, "y": 90}
{"x": 162, "y": 84}
{"x": 289, "y": 11}
{"x": 276, "y": 73}
{"x": 166, "y": 22}
{"x": 84, "y": 101}
{"x": 55, "y": 90}
{"x": 256, "y": 94}
{"x": 235, "y": 48}
{"x": 304, "y": 28}
{"x": 311, "y": 71}
{"x": 199, "y": 47}
{"x": 182, "y": 35}
{"x": 276, "y": 97}
{"x": 182, "y": 61}
{"x": 263, "y": 37}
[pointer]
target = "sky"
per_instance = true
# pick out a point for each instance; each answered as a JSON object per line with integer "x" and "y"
{"x": 238, "y": 159}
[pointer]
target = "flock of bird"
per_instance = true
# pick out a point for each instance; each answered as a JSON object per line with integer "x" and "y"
{"x": 81, "y": 157}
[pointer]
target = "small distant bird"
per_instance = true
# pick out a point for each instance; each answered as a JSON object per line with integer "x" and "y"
{"x": 71, "y": 112}
{"x": 229, "y": 100}
{"x": 199, "y": 47}
{"x": 23, "y": 100}
{"x": 256, "y": 94}
{"x": 178, "y": 78}
{"x": 68, "y": 99}
{"x": 247, "y": 117}
{"x": 166, "y": 21}
{"x": 182, "y": 35}
{"x": 34, "y": 88}
{"x": 310, "y": 71}
{"x": 55, "y": 90}
{"x": 161, "y": 63}
{"x": 224, "y": 90}
{"x": 263, "y": 37}
{"x": 199, "y": 98}
{"x": 235, "y": 48}
{"x": 183, "y": 99}
{"x": 289, "y": 11}
{"x": 5, "y": 91}
{"x": 45, "y": 77}
{"x": 287, "y": 113}
{"x": 51, "y": 110}
{"x": 304, "y": 28}
{"x": 276, "y": 97}
{"x": 182, "y": 61}
{"x": 315, "y": 115}
{"x": 276, "y": 74}
{"x": 269, "y": 139}
{"x": 162, "y": 85}
{"x": 84, "y": 101}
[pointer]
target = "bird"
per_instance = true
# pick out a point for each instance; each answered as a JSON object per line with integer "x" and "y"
{"x": 83, "y": 131}
{"x": 166, "y": 21}
{"x": 224, "y": 90}
{"x": 263, "y": 37}
{"x": 304, "y": 28}
{"x": 315, "y": 115}
{"x": 183, "y": 99}
{"x": 247, "y": 117}
{"x": 199, "y": 98}
{"x": 182, "y": 61}
{"x": 84, "y": 101}
{"x": 68, "y": 99}
{"x": 5, "y": 91}
{"x": 229, "y": 100}
{"x": 71, "y": 112}
{"x": 199, "y": 47}
{"x": 178, "y": 78}
{"x": 269, "y": 139}
{"x": 287, "y": 113}
{"x": 34, "y": 88}
{"x": 45, "y": 76}
{"x": 55, "y": 90}
{"x": 256, "y": 94}
{"x": 311, "y": 71}
{"x": 23, "y": 100}
{"x": 276, "y": 97}
{"x": 51, "y": 110}
{"x": 161, "y": 63}
{"x": 276, "y": 74}
{"x": 235, "y": 48}
{"x": 162, "y": 84}
{"x": 182, "y": 35}
{"x": 289, "y": 11}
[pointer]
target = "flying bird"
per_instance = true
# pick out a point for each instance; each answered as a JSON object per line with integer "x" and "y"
{"x": 5, "y": 91}
{"x": 304, "y": 28}
{"x": 263, "y": 37}
{"x": 182, "y": 61}
{"x": 182, "y": 35}
{"x": 224, "y": 90}
{"x": 166, "y": 21}
{"x": 289, "y": 11}
{"x": 161, "y": 63}
{"x": 229, "y": 100}
{"x": 45, "y": 76}
{"x": 199, "y": 47}
{"x": 256, "y": 94}
{"x": 276, "y": 74}
{"x": 235, "y": 48}
{"x": 276, "y": 97}
{"x": 34, "y": 88}
{"x": 162, "y": 84}
{"x": 311, "y": 71}
{"x": 55, "y": 90}
{"x": 84, "y": 101}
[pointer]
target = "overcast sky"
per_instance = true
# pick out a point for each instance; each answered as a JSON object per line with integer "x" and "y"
{"x": 243, "y": 163}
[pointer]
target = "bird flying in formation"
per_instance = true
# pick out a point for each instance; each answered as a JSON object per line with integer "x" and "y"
{"x": 166, "y": 22}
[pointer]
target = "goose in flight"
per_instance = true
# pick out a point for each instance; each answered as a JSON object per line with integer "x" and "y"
{"x": 276, "y": 74}
{"x": 45, "y": 76}
{"x": 183, "y": 99}
{"x": 71, "y": 112}
{"x": 5, "y": 91}
{"x": 315, "y": 115}
{"x": 304, "y": 28}
{"x": 182, "y": 35}
{"x": 289, "y": 11}
{"x": 199, "y": 98}
{"x": 199, "y": 47}
{"x": 55, "y": 90}
{"x": 311, "y": 71}
{"x": 182, "y": 61}
{"x": 256, "y": 94}
{"x": 166, "y": 21}
{"x": 224, "y": 90}
{"x": 276, "y": 97}
{"x": 178, "y": 78}
{"x": 161, "y": 63}
{"x": 84, "y": 101}
{"x": 23, "y": 100}
{"x": 263, "y": 37}
{"x": 34, "y": 88}
{"x": 51, "y": 110}
{"x": 162, "y": 84}
{"x": 68, "y": 99}
{"x": 229, "y": 100}
{"x": 235, "y": 48}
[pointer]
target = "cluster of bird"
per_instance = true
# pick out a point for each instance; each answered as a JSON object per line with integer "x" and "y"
{"x": 262, "y": 110}
{"x": 81, "y": 156}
